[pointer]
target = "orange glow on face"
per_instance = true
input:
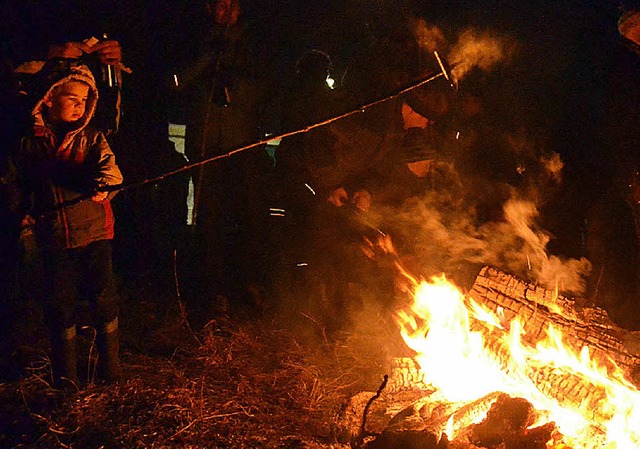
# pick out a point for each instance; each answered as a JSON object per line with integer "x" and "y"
{"x": 68, "y": 102}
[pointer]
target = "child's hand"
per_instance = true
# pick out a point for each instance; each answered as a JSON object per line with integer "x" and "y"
{"x": 99, "y": 197}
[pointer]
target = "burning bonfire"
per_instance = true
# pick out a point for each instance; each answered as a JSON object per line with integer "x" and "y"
{"x": 509, "y": 365}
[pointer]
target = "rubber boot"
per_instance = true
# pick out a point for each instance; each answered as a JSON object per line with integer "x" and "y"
{"x": 109, "y": 368}
{"x": 64, "y": 359}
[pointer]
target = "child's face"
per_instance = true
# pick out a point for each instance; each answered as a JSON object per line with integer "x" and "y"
{"x": 67, "y": 103}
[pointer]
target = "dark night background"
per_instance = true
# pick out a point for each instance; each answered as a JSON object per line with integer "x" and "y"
{"x": 572, "y": 83}
{"x": 573, "y": 79}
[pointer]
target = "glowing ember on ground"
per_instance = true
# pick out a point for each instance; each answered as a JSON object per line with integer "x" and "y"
{"x": 467, "y": 352}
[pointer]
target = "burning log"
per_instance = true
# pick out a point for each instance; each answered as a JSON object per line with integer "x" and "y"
{"x": 507, "y": 425}
{"x": 572, "y": 392}
{"x": 459, "y": 415}
{"x": 511, "y": 297}
{"x": 348, "y": 422}
{"x": 569, "y": 389}
{"x": 407, "y": 440}
{"x": 406, "y": 375}
{"x": 516, "y": 355}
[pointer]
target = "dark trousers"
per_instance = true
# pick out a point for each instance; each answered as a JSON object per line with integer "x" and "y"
{"x": 9, "y": 368}
{"x": 79, "y": 273}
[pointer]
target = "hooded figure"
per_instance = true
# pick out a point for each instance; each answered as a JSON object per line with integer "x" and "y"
{"x": 61, "y": 172}
{"x": 63, "y": 160}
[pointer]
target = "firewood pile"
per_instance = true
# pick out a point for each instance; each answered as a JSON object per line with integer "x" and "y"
{"x": 507, "y": 423}
{"x": 409, "y": 413}
{"x": 537, "y": 307}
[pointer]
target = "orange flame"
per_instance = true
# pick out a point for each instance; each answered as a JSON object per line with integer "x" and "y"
{"x": 466, "y": 352}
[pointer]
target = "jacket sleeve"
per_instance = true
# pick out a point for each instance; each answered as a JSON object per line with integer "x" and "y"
{"x": 107, "y": 171}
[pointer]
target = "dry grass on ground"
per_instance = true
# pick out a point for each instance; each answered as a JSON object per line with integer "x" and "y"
{"x": 249, "y": 384}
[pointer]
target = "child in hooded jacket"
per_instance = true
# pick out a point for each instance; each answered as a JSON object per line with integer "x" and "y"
{"x": 62, "y": 171}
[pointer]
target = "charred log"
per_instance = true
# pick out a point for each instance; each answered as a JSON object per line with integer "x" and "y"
{"x": 406, "y": 375}
{"x": 507, "y": 426}
{"x": 460, "y": 415}
{"x": 537, "y": 307}
{"x": 507, "y": 416}
{"x": 348, "y": 422}
{"x": 571, "y": 391}
{"x": 407, "y": 440}
{"x": 535, "y": 438}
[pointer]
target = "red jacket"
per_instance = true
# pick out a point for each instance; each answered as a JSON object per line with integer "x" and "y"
{"x": 52, "y": 173}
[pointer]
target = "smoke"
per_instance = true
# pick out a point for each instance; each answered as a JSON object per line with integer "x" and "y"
{"x": 442, "y": 231}
{"x": 553, "y": 165}
{"x": 549, "y": 271}
{"x": 428, "y": 37}
{"x": 476, "y": 49}
{"x": 475, "y": 215}
{"x": 483, "y": 50}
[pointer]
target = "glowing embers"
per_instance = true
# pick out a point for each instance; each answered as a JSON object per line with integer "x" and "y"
{"x": 472, "y": 357}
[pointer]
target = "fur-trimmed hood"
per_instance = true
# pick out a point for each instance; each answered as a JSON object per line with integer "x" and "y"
{"x": 54, "y": 74}
{"x": 57, "y": 178}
